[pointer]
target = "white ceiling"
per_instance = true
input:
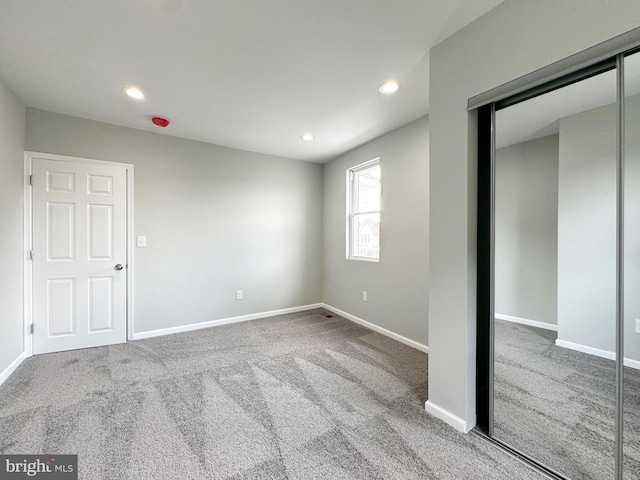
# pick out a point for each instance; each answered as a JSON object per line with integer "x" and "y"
{"x": 249, "y": 74}
{"x": 540, "y": 116}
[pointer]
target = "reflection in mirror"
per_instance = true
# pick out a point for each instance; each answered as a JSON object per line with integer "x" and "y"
{"x": 555, "y": 278}
{"x": 631, "y": 409}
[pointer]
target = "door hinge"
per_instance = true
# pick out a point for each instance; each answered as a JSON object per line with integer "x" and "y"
{"x": 31, "y": 180}
{"x": 32, "y": 329}
{"x": 30, "y": 254}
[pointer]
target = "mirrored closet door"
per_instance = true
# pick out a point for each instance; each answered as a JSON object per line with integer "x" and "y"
{"x": 558, "y": 363}
{"x": 631, "y": 331}
{"x": 555, "y": 277}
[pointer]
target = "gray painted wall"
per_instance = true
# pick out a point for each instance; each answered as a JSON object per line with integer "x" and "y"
{"x": 516, "y": 38}
{"x": 526, "y": 235}
{"x": 587, "y": 229}
{"x": 12, "y": 114}
{"x": 216, "y": 220}
{"x": 397, "y": 285}
{"x": 632, "y": 221}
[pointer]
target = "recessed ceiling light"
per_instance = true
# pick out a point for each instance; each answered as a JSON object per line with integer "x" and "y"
{"x": 134, "y": 93}
{"x": 307, "y": 137}
{"x": 390, "y": 87}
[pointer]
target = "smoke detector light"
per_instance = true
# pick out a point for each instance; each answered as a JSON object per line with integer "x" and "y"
{"x": 307, "y": 137}
{"x": 160, "y": 121}
{"x": 134, "y": 93}
{"x": 389, "y": 87}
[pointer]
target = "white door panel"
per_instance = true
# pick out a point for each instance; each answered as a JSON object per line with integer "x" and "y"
{"x": 79, "y": 236}
{"x": 61, "y": 316}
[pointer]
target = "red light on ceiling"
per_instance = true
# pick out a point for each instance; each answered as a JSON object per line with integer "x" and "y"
{"x": 159, "y": 121}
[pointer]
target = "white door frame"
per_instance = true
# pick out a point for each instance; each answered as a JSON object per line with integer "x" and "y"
{"x": 28, "y": 239}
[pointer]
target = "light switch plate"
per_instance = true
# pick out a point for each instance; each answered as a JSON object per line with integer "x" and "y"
{"x": 141, "y": 241}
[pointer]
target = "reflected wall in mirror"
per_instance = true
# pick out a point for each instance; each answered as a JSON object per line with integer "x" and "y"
{"x": 631, "y": 405}
{"x": 555, "y": 278}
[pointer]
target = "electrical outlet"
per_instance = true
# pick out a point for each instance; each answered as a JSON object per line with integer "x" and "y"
{"x": 238, "y": 294}
{"x": 637, "y": 325}
{"x": 364, "y": 296}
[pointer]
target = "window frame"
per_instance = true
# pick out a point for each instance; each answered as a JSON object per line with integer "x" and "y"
{"x": 352, "y": 206}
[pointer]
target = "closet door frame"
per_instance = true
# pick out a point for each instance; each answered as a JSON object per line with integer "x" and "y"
{"x": 596, "y": 60}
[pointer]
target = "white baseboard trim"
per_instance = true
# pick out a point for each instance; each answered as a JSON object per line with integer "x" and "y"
{"x": 12, "y": 367}
{"x": 255, "y": 316}
{"x": 526, "y": 321}
{"x": 628, "y": 362}
{"x": 376, "y": 328}
{"x": 224, "y": 321}
{"x": 446, "y": 416}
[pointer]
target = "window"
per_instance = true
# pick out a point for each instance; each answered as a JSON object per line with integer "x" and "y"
{"x": 364, "y": 192}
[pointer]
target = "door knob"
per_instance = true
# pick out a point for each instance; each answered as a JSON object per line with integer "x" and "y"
{"x": 118, "y": 267}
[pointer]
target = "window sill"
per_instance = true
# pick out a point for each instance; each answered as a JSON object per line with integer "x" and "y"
{"x": 364, "y": 259}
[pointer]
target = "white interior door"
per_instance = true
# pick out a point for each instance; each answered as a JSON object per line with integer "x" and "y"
{"x": 79, "y": 254}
